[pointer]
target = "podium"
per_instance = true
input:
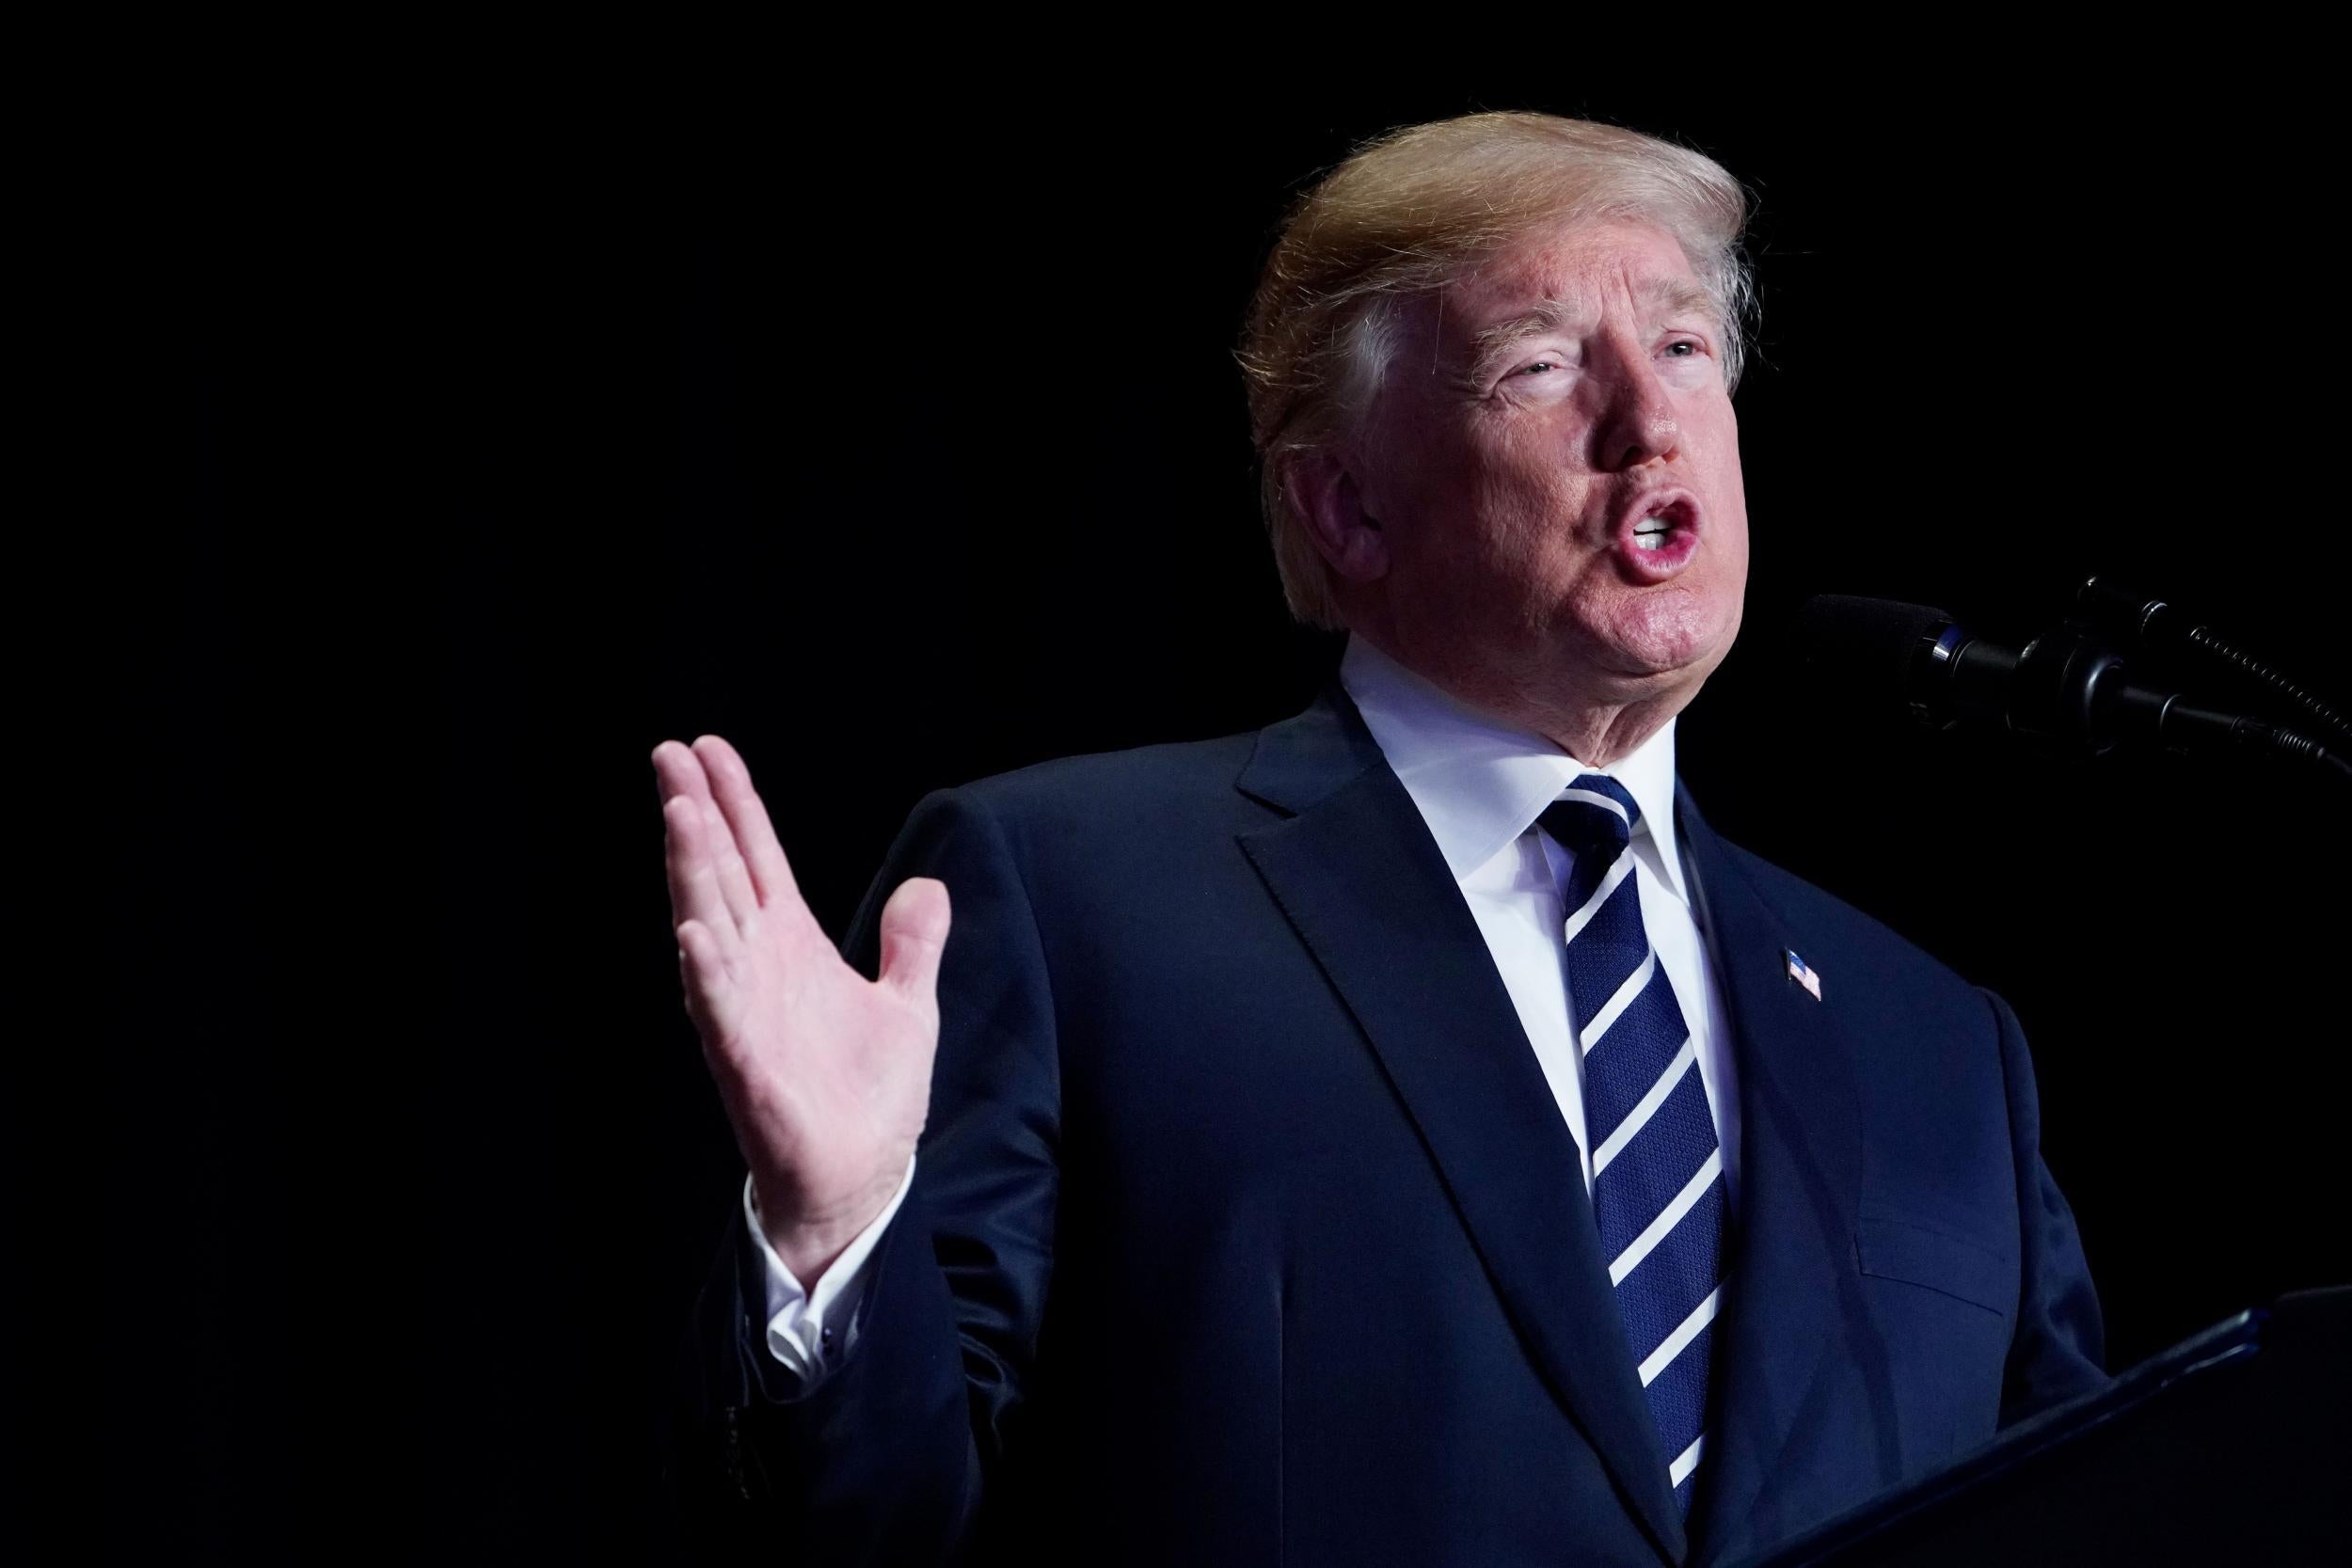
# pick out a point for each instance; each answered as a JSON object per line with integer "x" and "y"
{"x": 2231, "y": 1448}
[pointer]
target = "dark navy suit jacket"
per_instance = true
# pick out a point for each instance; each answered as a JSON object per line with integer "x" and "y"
{"x": 1245, "y": 1229}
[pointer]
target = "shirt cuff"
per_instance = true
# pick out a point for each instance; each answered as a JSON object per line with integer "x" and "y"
{"x": 801, "y": 1323}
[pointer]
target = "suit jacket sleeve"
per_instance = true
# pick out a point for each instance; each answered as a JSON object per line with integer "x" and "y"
{"x": 2057, "y": 1351}
{"x": 890, "y": 1456}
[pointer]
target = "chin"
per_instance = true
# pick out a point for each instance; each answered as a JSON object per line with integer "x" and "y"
{"x": 1667, "y": 634}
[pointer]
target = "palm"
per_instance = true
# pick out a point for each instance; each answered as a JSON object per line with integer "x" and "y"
{"x": 826, "y": 1076}
{"x": 841, "y": 1064}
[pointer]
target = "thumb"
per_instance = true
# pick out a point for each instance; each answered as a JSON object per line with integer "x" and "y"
{"x": 913, "y": 934}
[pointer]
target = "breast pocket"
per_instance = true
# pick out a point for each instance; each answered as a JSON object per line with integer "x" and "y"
{"x": 1934, "y": 1260}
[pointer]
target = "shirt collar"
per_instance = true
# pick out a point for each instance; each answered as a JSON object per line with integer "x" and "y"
{"x": 1479, "y": 783}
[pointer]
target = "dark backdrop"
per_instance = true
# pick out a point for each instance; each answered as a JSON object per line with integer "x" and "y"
{"x": 894, "y": 435}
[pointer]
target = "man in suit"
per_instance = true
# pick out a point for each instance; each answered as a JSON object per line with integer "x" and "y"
{"x": 1407, "y": 1133}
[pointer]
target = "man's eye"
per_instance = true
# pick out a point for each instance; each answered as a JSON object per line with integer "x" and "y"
{"x": 1538, "y": 365}
{"x": 1685, "y": 345}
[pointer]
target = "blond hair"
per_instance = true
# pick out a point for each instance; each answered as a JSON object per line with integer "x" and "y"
{"x": 1408, "y": 212}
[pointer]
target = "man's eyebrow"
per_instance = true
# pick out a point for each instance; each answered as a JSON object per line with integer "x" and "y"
{"x": 1676, "y": 295}
{"x": 1544, "y": 315}
{"x": 1681, "y": 296}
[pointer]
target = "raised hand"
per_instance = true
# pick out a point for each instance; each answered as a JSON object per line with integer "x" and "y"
{"x": 825, "y": 1075}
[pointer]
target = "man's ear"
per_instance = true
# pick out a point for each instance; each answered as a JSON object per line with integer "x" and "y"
{"x": 1324, "y": 493}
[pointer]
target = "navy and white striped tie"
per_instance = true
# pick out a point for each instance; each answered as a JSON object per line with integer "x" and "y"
{"x": 1658, "y": 1171}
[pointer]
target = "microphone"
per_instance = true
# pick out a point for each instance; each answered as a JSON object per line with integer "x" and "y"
{"x": 2064, "y": 687}
{"x": 2143, "y": 624}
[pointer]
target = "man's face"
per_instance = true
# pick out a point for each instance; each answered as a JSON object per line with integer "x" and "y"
{"x": 1555, "y": 467}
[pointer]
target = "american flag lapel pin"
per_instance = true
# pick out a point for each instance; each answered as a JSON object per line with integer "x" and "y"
{"x": 1804, "y": 973}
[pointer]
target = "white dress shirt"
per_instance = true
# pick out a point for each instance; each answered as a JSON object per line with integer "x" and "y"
{"x": 800, "y": 1332}
{"x": 1480, "y": 784}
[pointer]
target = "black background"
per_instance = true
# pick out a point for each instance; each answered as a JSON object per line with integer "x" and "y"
{"x": 894, "y": 435}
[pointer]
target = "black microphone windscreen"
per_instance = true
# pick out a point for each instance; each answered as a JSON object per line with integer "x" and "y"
{"x": 1868, "y": 647}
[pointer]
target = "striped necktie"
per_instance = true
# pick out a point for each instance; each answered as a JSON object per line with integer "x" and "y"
{"x": 1658, "y": 1171}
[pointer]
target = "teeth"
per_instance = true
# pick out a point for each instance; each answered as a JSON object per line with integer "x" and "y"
{"x": 1649, "y": 541}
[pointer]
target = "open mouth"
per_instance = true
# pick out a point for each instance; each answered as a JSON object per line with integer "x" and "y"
{"x": 1658, "y": 536}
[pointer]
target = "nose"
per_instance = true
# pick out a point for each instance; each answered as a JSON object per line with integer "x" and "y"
{"x": 1636, "y": 423}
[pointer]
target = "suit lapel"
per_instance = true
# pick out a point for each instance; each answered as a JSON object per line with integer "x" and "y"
{"x": 1801, "y": 1170}
{"x": 1359, "y": 878}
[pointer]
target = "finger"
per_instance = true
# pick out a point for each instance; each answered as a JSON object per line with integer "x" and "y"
{"x": 914, "y": 935}
{"x": 731, "y": 786}
{"x": 735, "y": 877}
{"x": 702, "y": 975}
{"x": 695, "y": 893}
{"x": 677, "y": 770}
{"x": 692, "y": 783}
{"x": 683, "y": 779}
